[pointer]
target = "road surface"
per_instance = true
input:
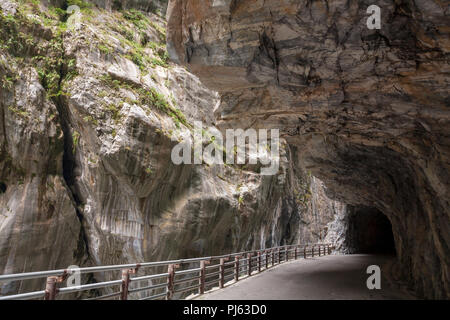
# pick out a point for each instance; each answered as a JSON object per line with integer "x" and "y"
{"x": 330, "y": 277}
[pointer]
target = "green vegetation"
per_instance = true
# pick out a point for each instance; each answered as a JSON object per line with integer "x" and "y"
{"x": 149, "y": 97}
{"x": 7, "y": 81}
{"x": 17, "y": 111}
{"x": 115, "y": 111}
{"x": 20, "y": 36}
{"x": 137, "y": 17}
{"x": 124, "y": 31}
{"x": 91, "y": 119}
{"x": 105, "y": 49}
{"x": 303, "y": 193}
{"x": 142, "y": 23}
{"x": 161, "y": 30}
{"x": 83, "y": 5}
{"x": 142, "y": 60}
{"x": 75, "y": 141}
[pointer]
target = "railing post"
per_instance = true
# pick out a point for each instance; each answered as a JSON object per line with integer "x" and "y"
{"x": 319, "y": 249}
{"x": 267, "y": 259}
{"x": 329, "y": 249}
{"x": 50, "y": 288}
{"x": 295, "y": 253}
{"x": 313, "y": 247}
{"x": 170, "y": 281}
{"x": 249, "y": 264}
{"x": 286, "y": 250}
{"x": 222, "y": 272}
{"x": 125, "y": 284}
{"x": 236, "y": 268}
{"x": 279, "y": 256}
{"x": 273, "y": 257}
{"x": 304, "y": 251}
{"x": 259, "y": 261}
{"x": 202, "y": 277}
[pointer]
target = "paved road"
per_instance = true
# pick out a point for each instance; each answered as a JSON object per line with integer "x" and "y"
{"x": 329, "y": 277}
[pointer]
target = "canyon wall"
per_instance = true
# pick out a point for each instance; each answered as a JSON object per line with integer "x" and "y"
{"x": 90, "y": 109}
{"x": 367, "y": 109}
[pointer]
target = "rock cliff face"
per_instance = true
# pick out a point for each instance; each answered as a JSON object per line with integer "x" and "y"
{"x": 368, "y": 110}
{"x": 89, "y": 108}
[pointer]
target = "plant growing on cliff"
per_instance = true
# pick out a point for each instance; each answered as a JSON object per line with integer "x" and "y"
{"x": 149, "y": 97}
{"x": 83, "y": 5}
{"x": 17, "y": 111}
{"x": 75, "y": 141}
{"x": 241, "y": 200}
{"x": 115, "y": 111}
{"x": 20, "y": 35}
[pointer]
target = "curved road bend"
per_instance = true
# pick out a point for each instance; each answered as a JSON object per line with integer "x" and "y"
{"x": 328, "y": 277}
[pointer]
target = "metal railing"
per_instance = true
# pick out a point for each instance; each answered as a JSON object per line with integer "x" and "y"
{"x": 211, "y": 271}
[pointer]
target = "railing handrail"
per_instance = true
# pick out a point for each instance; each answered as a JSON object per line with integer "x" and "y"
{"x": 61, "y": 273}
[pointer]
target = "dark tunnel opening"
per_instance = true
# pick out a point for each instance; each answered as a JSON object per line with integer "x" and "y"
{"x": 369, "y": 231}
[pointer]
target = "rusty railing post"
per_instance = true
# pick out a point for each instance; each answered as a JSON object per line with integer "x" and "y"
{"x": 201, "y": 281}
{"x": 273, "y": 257}
{"x": 125, "y": 284}
{"x": 319, "y": 249}
{"x": 222, "y": 272}
{"x": 259, "y": 261}
{"x": 50, "y": 288}
{"x": 249, "y": 264}
{"x": 295, "y": 253}
{"x": 279, "y": 256}
{"x": 304, "y": 251}
{"x": 236, "y": 268}
{"x": 329, "y": 249}
{"x": 267, "y": 259}
{"x": 286, "y": 250}
{"x": 170, "y": 281}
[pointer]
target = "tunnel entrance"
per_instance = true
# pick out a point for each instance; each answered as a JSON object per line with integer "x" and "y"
{"x": 369, "y": 231}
